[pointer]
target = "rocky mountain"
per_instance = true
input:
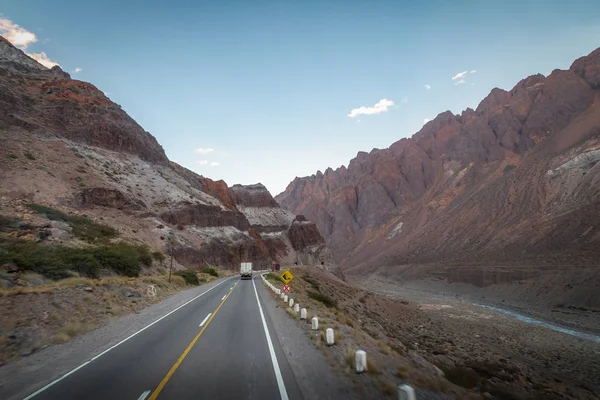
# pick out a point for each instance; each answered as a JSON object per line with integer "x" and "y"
{"x": 506, "y": 193}
{"x": 65, "y": 144}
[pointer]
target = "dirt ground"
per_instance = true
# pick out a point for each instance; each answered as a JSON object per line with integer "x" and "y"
{"x": 444, "y": 347}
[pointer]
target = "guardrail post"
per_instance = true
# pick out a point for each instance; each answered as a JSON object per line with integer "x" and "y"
{"x": 360, "y": 361}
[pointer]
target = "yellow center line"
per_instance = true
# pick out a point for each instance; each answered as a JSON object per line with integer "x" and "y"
{"x": 162, "y": 383}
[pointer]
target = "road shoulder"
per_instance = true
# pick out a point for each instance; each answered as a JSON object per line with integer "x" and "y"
{"x": 310, "y": 367}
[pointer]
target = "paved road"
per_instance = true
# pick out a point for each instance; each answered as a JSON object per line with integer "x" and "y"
{"x": 219, "y": 346}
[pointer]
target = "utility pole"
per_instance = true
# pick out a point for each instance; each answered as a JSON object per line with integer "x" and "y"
{"x": 171, "y": 251}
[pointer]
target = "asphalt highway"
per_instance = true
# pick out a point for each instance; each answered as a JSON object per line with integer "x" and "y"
{"x": 220, "y": 345}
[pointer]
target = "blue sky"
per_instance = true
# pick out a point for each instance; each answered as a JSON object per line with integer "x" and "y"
{"x": 265, "y": 88}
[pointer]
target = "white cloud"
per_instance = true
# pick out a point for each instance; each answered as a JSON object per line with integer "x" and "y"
{"x": 381, "y": 107}
{"x": 202, "y": 150}
{"x": 18, "y": 36}
{"x": 404, "y": 100}
{"x": 21, "y": 37}
{"x": 214, "y": 164}
{"x": 43, "y": 59}
{"x": 473, "y": 71}
{"x": 427, "y": 87}
{"x": 460, "y": 82}
{"x": 460, "y": 75}
{"x": 202, "y": 162}
{"x": 426, "y": 120}
{"x": 77, "y": 69}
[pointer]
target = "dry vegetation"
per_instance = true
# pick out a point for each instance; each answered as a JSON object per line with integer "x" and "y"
{"x": 404, "y": 344}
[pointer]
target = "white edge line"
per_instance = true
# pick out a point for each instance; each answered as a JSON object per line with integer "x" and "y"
{"x": 204, "y": 320}
{"x": 144, "y": 395}
{"x": 282, "y": 392}
{"x": 54, "y": 382}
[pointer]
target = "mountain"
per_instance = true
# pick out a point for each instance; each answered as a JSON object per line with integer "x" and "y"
{"x": 66, "y": 145}
{"x": 507, "y": 193}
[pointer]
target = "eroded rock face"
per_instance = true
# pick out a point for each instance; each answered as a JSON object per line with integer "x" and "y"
{"x": 202, "y": 215}
{"x": 252, "y": 196}
{"x": 48, "y": 101}
{"x": 105, "y": 197}
{"x": 304, "y": 234}
{"x": 471, "y": 187}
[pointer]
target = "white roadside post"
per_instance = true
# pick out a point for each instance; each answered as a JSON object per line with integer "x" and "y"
{"x": 303, "y": 313}
{"x": 285, "y": 298}
{"x": 406, "y": 392}
{"x": 330, "y": 337}
{"x": 315, "y": 323}
{"x": 291, "y": 302}
{"x": 360, "y": 361}
{"x": 297, "y": 308}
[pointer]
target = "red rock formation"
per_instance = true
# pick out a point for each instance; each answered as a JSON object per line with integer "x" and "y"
{"x": 474, "y": 187}
{"x": 50, "y": 102}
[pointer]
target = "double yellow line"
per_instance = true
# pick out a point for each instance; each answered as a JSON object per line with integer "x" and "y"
{"x": 162, "y": 383}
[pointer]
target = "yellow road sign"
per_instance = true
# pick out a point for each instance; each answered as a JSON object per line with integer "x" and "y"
{"x": 287, "y": 276}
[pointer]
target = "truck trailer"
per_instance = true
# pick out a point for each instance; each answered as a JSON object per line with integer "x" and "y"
{"x": 246, "y": 270}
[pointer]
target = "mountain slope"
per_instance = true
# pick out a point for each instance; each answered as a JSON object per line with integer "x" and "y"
{"x": 514, "y": 182}
{"x": 66, "y": 145}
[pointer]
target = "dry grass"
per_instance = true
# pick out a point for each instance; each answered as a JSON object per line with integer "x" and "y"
{"x": 402, "y": 372}
{"x": 25, "y": 290}
{"x": 349, "y": 357}
{"x": 338, "y": 335}
{"x": 160, "y": 282}
{"x": 75, "y": 282}
{"x": 73, "y": 329}
{"x": 372, "y": 366}
{"x": 60, "y": 337}
{"x": 291, "y": 312}
{"x": 388, "y": 387}
{"x": 114, "y": 280}
{"x": 384, "y": 348}
{"x": 178, "y": 280}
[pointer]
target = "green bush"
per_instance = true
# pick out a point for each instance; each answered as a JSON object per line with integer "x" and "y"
{"x": 273, "y": 277}
{"x": 190, "y": 276}
{"x": 323, "y": 298}
{"x": 158, "y": 256}
{"x": 59, "y": 262}
{"x": 83, "y": 227}
{"x": 210, "y": 271}
{"x": 124, "y": 259}
{"x": 28, "y": 155}
{"x": 508, "y": 168}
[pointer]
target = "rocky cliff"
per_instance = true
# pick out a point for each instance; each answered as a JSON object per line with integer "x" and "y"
{"x": 68, "y": 146}
{"x": 515, "y": 182}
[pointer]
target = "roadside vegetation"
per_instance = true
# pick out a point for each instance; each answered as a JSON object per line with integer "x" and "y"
{"x": 51, "y": 292}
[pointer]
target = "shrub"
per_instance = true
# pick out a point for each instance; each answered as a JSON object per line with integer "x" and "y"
{"x": 402, "y": 372}
{"x": 509, "y": 168}
{"x": 388, "y": 387}
{"x": 124, "y": 259}
{"x": 158, "y": 256}
{"x": 210, "y": 271}
{"x": 372, "y": 366}
{"x": 11, "y": 156}
{"x": 312, "y": 282}
{"x": 83, "y": 227}
{"x": 323, "y": 298}
{"x": 273, "y": 277}
{"x": 178, "y": 280}
{"x": 28, "y": 155}
{"x": 189, "y": 276}
{"x": 462, "y": 376}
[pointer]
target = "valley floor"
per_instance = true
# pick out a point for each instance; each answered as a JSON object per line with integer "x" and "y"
{"x": 563, "y": 365}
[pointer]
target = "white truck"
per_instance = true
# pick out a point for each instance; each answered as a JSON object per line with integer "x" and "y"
{"x": 246, "y": 270}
